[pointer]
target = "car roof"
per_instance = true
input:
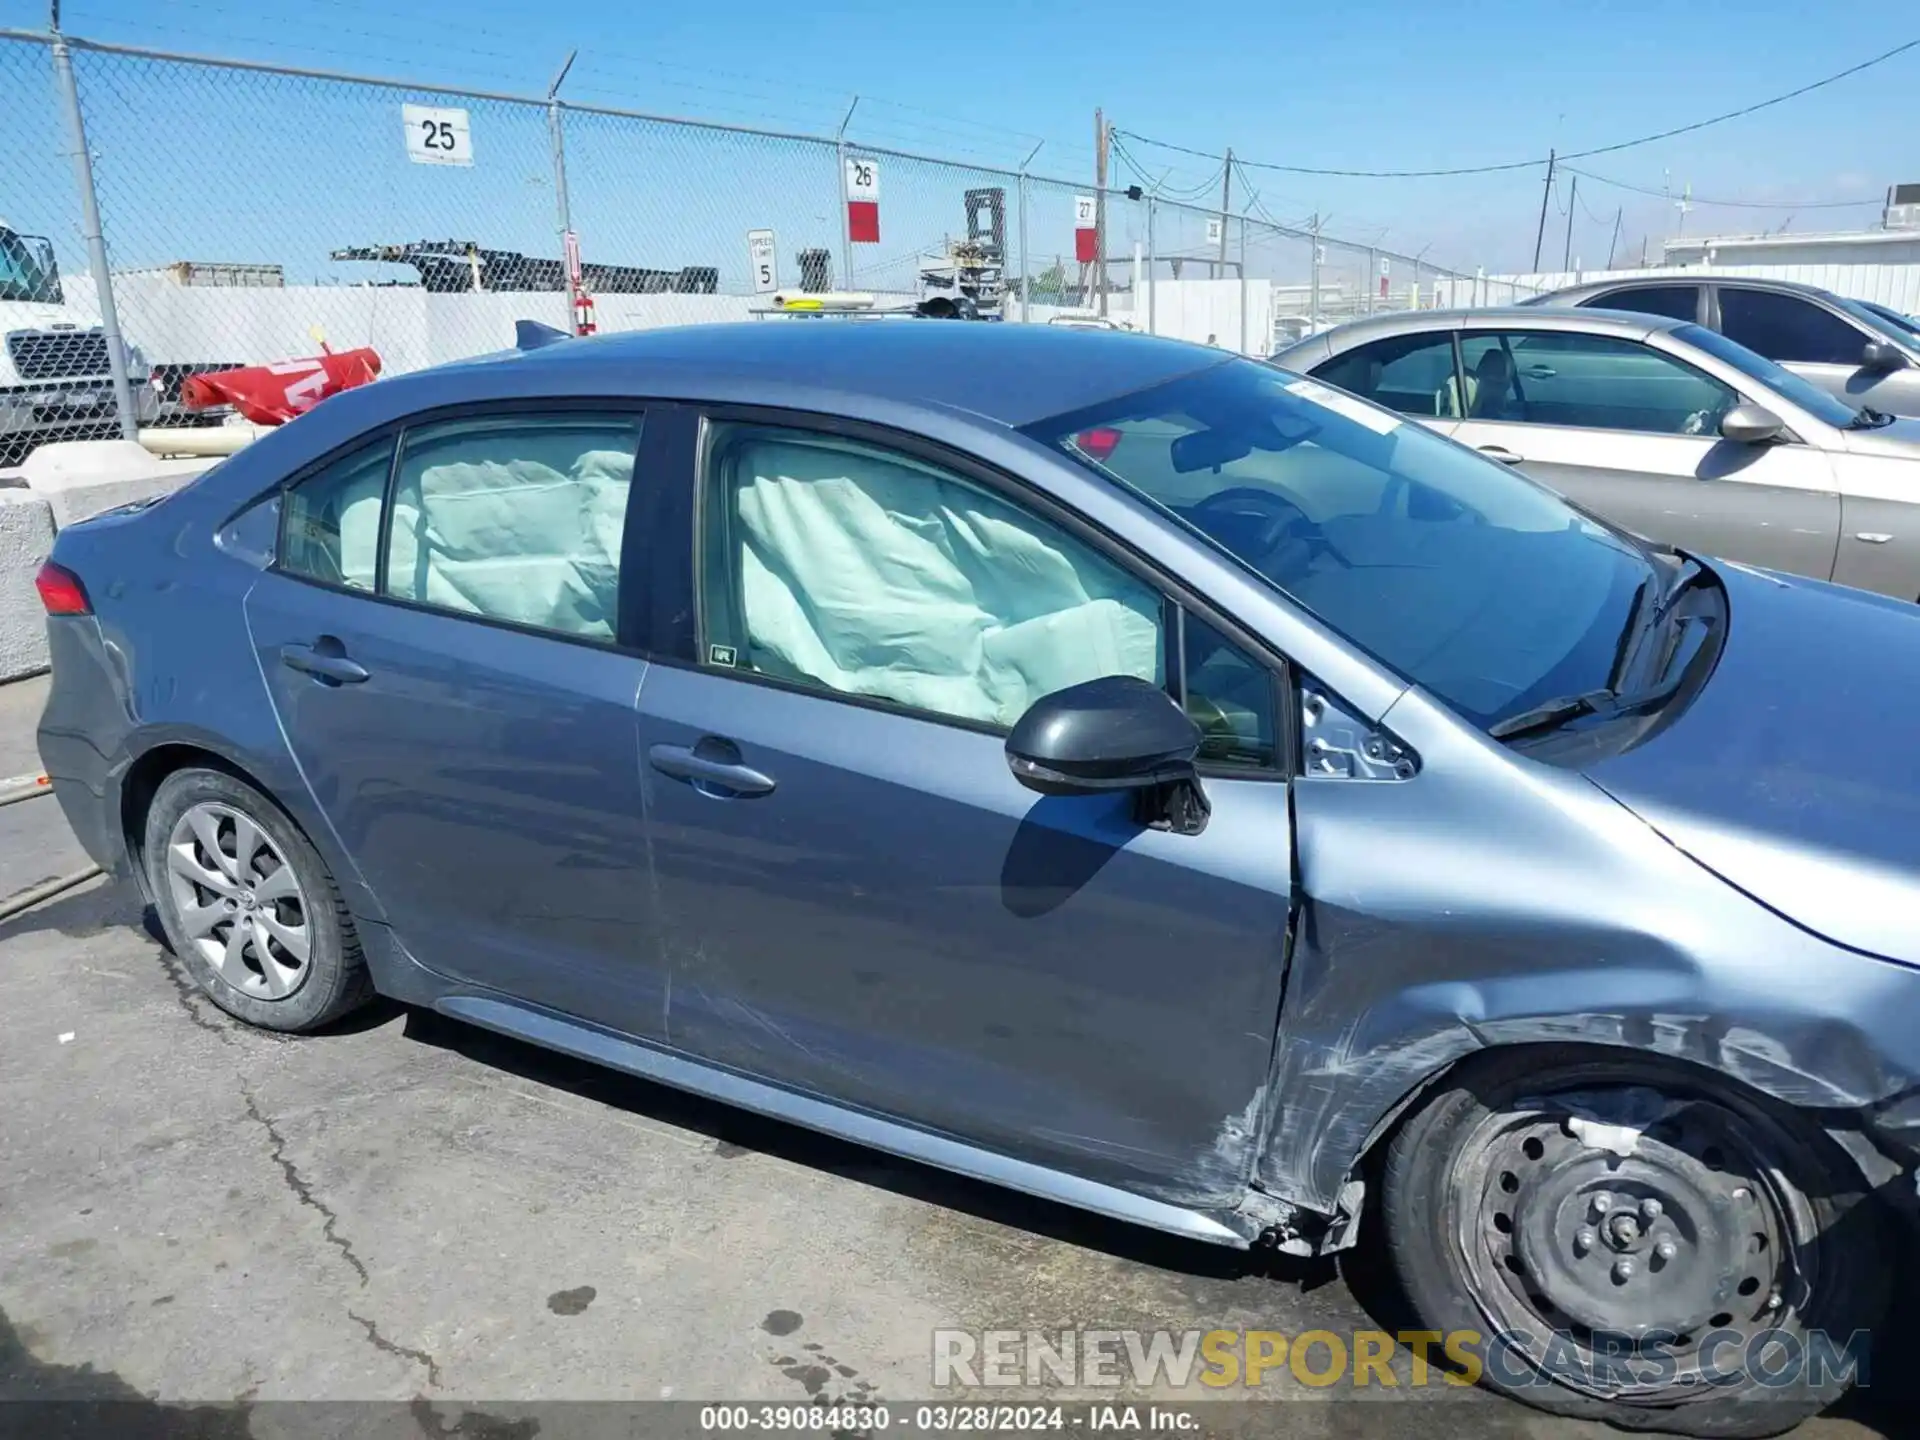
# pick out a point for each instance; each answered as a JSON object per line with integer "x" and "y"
{"x": 1572, "y": 294}
{"x": 1012, "y": 374}
{"x": 1414, "y": 322}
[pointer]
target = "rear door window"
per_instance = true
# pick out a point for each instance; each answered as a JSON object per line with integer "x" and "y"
{"x": 1677, "y": 302}
{"x": 516, "y": 518}
{"x": 1409, "y": 373}
{"x": 330, "y": 523}
{"x": 1788, "y": 329}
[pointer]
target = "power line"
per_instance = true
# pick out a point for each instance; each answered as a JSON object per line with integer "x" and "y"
{"x": 1731, "y": 204}
{"x": 1160, "y": 188}
{"x": 1688, "y": 129}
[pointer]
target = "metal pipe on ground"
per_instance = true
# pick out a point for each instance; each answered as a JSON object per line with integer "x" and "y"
{"x": 24, "y": 787}
{"x": 46, "y": 890}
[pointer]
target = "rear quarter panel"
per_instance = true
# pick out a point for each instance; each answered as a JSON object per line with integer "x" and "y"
{"x": 173, "y": 665}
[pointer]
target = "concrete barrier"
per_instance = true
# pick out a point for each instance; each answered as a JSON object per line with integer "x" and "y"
{"x": 64, "y": 482}
{"x": 79, "y": 478}
{"x": 26, "y": 535}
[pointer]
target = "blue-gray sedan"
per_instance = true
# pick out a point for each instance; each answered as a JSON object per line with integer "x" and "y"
{"x": 1142, "y": 778}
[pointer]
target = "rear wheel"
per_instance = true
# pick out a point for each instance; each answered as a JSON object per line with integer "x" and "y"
{"x": 1658, "y": 1247}
{"x": 248, "y": 905}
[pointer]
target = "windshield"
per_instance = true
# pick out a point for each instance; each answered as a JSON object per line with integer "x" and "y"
{"x": 1905, "y": 326}
{"x": 1783, "y": 382}
{"x": 1460, "y": 575}
{"x": 26, "y": 269}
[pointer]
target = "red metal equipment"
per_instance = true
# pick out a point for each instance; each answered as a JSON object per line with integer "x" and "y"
{"x": 274, "y": 394}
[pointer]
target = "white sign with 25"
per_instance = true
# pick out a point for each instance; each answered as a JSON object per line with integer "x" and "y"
{"x": 437, "y": 136}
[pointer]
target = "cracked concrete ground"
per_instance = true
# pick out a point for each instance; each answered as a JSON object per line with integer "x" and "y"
{"x": 413, "y": 1211}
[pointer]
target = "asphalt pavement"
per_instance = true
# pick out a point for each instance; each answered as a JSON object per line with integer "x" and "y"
{"x": 202, "y": 1223}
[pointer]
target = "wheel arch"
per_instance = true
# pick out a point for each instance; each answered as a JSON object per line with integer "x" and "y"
{"x": 1844, "y": 1127}
{"x": 169, "y": 752}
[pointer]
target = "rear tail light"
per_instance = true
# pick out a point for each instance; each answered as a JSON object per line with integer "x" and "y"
{"x": 61, "y": 591}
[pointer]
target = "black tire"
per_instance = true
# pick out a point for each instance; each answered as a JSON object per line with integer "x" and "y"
{"x": 331, "y": 978}
{"x": 1487, "y": 1233}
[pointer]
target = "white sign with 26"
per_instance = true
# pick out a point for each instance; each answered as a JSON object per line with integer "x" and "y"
{"x": 863, "y": 178}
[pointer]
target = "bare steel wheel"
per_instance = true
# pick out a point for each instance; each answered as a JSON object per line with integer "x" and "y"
{"x": 1653, "y": 1245}
{"x": 239, "y": 902}
{"x": 1623, "y": 1218}
{"x": 248, "y": 905}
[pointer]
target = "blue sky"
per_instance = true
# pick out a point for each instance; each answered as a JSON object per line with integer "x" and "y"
{"x": 1364, "y": 84}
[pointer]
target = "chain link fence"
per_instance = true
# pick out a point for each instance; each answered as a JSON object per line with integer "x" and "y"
{"x": 254, "y": 215}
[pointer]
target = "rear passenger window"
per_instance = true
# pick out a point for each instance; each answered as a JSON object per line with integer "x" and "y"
{"x": 1678, "y": 302}
{"x": 515, "y": 518}
{"x": 330, "y": 523}
{"x": 1787, "y": 329}
{"x": 1409, "y": 373}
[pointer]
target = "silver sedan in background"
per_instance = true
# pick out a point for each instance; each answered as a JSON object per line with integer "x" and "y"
{"x": 1861, "y": 353}
{"x": 1658, "y": 424}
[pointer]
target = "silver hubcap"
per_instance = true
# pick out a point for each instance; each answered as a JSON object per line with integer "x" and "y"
{"x": 238, "y": 901}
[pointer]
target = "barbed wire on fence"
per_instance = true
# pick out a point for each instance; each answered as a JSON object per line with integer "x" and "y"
{"x": 252, "y": 213}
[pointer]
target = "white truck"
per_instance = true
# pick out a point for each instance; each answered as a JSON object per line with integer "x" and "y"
{"x": 55, "y": 382}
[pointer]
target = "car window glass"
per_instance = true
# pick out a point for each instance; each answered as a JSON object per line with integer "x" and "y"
{"x": 515, "y": 518}
{"x": 1467, "y": 579}
{"x": 1679, "y": 302}
{"x": 1788, "y": 329}
{"x": 1409, "y": 373}
{"x": 1229, "y": 695}
{"x": 853, "y": 569}
{"x": 330, "y": 524}
{"x": 1595, "y": 381}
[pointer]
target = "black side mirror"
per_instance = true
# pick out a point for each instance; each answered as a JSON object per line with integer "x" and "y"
{"x": 1880, "y": 356}
{"x": 1116, "y": 733}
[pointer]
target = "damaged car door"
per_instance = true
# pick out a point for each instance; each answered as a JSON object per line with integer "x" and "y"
{"x": 857, "y": 896}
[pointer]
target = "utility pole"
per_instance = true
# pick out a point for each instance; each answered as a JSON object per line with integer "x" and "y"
{"x": 1614, "y": 244}
{"x": 1540, "y": 235}
{"x": 1100, "y": 208}
{"x": 563, "y": 206}
{"x": 1226, "y": 204}
{"x": 1573, "y": 199}
{"x": 91, "y": 232}
{"x": 1313, "y": 286}
{"x": 840, "y": 184}
{"x": 1683, "y": 205}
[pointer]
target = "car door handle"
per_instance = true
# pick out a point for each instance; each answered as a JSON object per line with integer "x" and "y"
{"x": 685, "y": 762}
{"x": 1500, "y": 453}
{"x": 324, "y": 662}
{"x": 1540, "y": 372}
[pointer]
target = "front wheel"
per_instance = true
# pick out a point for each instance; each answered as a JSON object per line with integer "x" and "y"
{"x": 1637, "y": 1241}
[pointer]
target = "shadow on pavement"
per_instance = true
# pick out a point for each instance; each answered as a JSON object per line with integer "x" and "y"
{"x": 736, "y": 1132}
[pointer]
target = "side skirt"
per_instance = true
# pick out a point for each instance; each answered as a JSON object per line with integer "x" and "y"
{"x": 586, "y": 1042}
